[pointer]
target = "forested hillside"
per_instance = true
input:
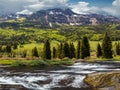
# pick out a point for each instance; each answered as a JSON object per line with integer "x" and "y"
{"x": 11, "y": 31}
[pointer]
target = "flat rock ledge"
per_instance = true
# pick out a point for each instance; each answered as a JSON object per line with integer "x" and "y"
{"x": 104, "y": 81}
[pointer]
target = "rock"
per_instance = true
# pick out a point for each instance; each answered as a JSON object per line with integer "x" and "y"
{"x": 71, "y": 88}
{"x": 107, "y": 88}
{"x": 43, "y": 82}
{"x": 104, "y": 81}
{"x": 12, "y": 87}
{"x": 67, "y": 81}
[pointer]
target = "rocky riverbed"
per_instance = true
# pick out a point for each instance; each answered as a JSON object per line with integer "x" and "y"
{"x": 80, "y": 76}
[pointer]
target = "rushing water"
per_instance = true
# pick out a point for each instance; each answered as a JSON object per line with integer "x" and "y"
{"x": 65, "y": 78}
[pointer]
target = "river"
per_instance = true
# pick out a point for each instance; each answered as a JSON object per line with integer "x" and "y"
{"x": 54, "y": 78}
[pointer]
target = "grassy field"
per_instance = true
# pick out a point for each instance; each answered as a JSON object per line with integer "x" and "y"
{"x": 29, "y": 47}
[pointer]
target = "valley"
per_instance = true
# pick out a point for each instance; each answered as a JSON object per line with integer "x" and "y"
{"x": 58, "y": 49}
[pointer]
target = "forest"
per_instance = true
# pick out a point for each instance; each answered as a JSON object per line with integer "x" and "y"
{"x": 19, "y": 41}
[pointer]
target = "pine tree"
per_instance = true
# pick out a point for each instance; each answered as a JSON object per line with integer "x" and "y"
{"x": 85, "y": 48}
{"x": 54, "y": 52}
{"x": 72, "y": 50}
{"x": 60, "y": 51}
{"x": 47, "y": 50}
{"x": 15, "y": 45}
{"x": 82, "y": 50}
{"x": 99, "y": 50}
{"x": 78, "y": 50}
{"x": 66, "y": 50}
{"x": 0, "y": 48}
{"x": 117, "y": 48}
{"x": 8, "y": 49}
{"x": 35, "y": 52}
{"x": 106, "y": 47}
{"x": 87, "y": 45}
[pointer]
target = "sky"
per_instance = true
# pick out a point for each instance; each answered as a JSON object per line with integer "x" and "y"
{"x": 110, "y": 7}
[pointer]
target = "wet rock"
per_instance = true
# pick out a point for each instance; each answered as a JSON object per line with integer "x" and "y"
{"x": 12, "y": 87}
{"x": 104, "y": 81}
{"x": 66, "y": 81}
{"x": 107, "y": 88}
{"x": 71, "y": 88}
{"x": 43, "y": 82}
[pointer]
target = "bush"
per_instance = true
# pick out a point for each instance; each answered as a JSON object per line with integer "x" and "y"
{"x": 42, "y": 63}
{"x": 67, "y": 62}
{"x": 37, "y": 63}
{"x": 18, "y": 63}
{"x": 53, "y": 62}
{"x": 61, "y": 62}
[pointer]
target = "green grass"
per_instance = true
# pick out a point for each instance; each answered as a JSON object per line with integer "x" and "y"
{"x": 6, "y": 62}
{"x": 29, "y": 47}
{"x": 36, "y": 63}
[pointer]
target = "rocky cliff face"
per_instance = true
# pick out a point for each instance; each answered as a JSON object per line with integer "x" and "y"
{"x": 104, "y": 81}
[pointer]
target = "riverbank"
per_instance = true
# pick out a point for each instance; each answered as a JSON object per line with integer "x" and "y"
{"x": 57, "y": 62}
{"x": 36, "y": 63}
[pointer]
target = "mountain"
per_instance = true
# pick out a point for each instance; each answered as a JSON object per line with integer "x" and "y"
{"x": 64, "y": 16}
{"x": 11, "y": 17}
{"x": 67, "y": 16}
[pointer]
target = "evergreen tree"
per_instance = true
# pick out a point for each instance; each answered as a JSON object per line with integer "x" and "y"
{"x": 85, "y": 48}
{"x": 0, "y": 48}
{"x": 78, "y": 50}
{"x": 60, "y": 51}
{"x": 15, "y": 45}
{"x": 47, "y": 50}
{"x": 35, "y": 52}
{"x": 54, "y": 52}
{"x": 99, "y": 50}
{"x": 8, "y": 49}
{"x": 72, "y": 50}
{"x": 106, "y": 47}
{"x": 82, "y": 51}
{"x": 66, "y": 50}
{"x": 117, "y": 48}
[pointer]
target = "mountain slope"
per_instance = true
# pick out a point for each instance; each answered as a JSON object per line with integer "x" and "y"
{"x": 51, "y": 17}
{"x": 67, "y": 16}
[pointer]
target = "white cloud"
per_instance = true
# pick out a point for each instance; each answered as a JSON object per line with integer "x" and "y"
{"x": 84, "y": 8}
{"x": 116, "y": 3}
{"x": 46, "y": 4}
{"x": 30, "y": 6}
{"x": 20, "y": 6}
{"x": 25, "y": 12}
{"x": 114, "y": 9}
{"x": 12, "y": 6}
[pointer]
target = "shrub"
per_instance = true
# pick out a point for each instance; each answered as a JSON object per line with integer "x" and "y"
{"x": 37, "y": 63}
{"x": 18, "y": 63}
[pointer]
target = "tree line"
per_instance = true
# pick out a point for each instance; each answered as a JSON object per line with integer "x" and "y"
{"x": 68, "y": 49}
{"x": 105, "y": 50}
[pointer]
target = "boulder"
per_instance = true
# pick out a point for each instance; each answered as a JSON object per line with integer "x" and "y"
{"x": 104, "y": 81}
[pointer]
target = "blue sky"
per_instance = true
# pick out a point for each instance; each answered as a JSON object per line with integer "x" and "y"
{"x": 95, "y": 2}
{"x": 110, "y": 7}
